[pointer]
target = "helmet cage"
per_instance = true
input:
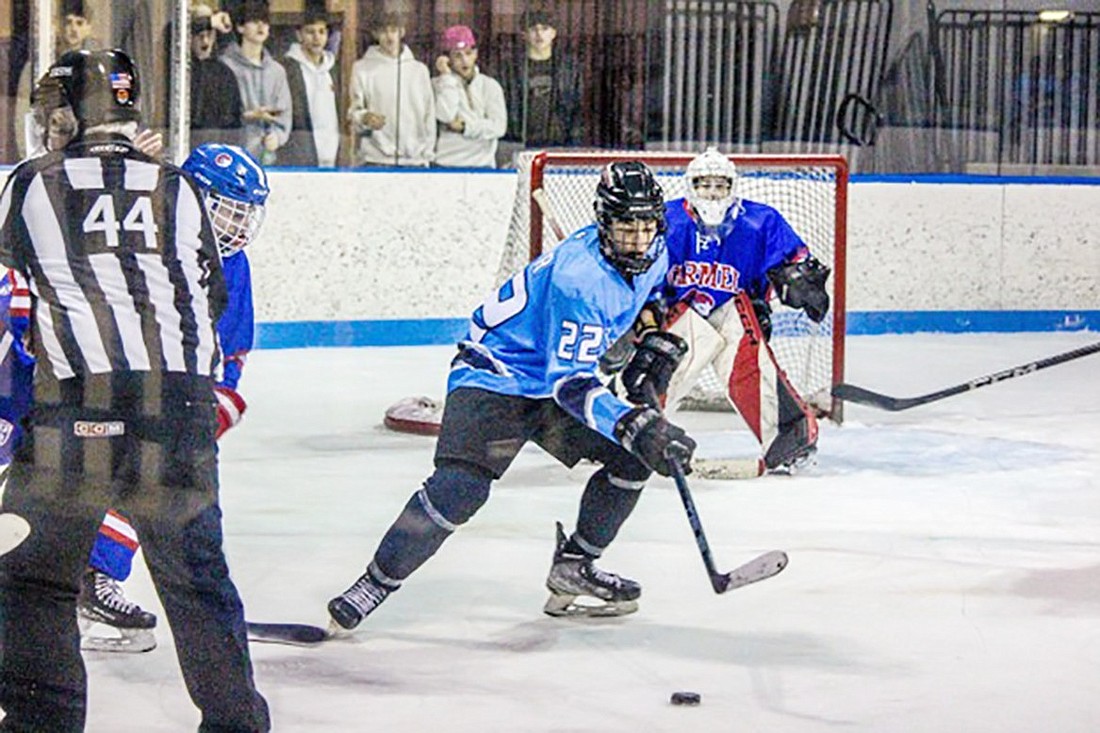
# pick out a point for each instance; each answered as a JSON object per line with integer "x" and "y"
{"x": 711, "y": 164}
{"x": 236, "y": 223}
{"x": 235, "y": 191}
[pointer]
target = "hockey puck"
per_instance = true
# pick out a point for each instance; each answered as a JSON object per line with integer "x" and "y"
{"x": 686, "y": 698}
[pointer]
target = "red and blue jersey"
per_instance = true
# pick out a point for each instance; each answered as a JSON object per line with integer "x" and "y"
{"x": 708, "y": 266}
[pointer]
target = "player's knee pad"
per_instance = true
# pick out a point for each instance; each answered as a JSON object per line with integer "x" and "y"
{"x": 456, "y": 491}
{"x": 626, "y": 471}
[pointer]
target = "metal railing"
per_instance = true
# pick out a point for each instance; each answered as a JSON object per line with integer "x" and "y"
{"x": 1014, "y": 90}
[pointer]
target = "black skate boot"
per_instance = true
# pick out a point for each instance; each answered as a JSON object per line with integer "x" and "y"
{"x": 356, "y": 603}
{"x": 101, "y": 601}
{"x": 572, "y": 575}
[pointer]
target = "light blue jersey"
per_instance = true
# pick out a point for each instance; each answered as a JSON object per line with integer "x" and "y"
{"x": 543, "y": 333}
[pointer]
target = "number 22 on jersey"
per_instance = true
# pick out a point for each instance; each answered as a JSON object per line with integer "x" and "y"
{"x": 578, "y": 341}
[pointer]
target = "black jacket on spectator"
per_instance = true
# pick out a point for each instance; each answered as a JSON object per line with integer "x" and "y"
{"x": 300, "y": 150}
{"x": 215, "y": 103}
{"x": 566, "y": 120}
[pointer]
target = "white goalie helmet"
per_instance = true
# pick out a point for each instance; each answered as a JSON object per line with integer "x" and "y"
{"x": 711, "y": 180}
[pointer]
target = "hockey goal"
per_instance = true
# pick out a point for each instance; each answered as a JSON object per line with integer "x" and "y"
{"x": 809, "y": 190}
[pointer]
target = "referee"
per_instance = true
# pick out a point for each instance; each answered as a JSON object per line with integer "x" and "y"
{"x": 126, "y": 287}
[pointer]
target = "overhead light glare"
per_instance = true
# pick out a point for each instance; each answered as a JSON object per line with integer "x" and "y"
{"x": 1055, "y": 16}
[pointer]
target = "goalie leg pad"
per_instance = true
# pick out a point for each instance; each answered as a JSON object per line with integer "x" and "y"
{"x": 704, "y": 344}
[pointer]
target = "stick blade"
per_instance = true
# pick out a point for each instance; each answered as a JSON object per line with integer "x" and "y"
{"x": 759, "y": 568}
{"x": 292, "y": 634}
{"x": 859, "y": 395}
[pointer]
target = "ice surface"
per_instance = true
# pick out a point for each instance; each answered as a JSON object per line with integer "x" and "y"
{"x": 944, "y": 576}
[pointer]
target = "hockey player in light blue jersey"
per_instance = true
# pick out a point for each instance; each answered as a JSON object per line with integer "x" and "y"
{"x": 727, "y": 255}
{"x": 527, "y": 372}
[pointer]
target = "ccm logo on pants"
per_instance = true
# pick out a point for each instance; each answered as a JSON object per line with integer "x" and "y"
{"x": 86, "y": 429}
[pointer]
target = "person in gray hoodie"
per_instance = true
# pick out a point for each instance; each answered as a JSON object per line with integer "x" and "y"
{"x": 265, "y": 93}
{"x": 313, "y": 76}
{"x": 468, "y": 104}
{"x": 392, "y": 108}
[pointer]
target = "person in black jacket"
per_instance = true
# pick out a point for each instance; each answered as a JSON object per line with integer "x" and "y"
{"x": 543, "y": 90}
{"x": 215, "y": 98}
{"x": 313, "y": 75}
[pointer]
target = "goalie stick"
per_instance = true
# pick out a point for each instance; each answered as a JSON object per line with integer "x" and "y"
{"x": 859, "y": 395}
{"x": 759, "y": 568}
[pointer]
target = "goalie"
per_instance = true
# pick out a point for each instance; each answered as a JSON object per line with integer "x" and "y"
{"x": 727, "y": 257}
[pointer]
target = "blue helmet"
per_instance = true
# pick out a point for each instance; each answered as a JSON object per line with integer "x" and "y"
{"x": 235, "y": 190}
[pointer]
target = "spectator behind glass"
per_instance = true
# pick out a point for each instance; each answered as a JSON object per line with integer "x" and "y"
{"x": 313, "y": 75}
{"x": 75, "y": 32}
{"x": 468, "y": 104}
{"x": 543, "y": 90}
{"x": 216, "y": 113}
{"x": 392, "y": 112}
{"x": 265, "y": 94}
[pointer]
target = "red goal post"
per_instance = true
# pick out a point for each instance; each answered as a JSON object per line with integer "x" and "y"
{"x": 809, "y": 190}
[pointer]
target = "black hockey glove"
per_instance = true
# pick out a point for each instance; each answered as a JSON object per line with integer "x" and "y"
{"x": 646, "y": 434}
{"x": 654, "y": 361}
{"x": 802, "y": 285}
{"x": 763, "y": 313}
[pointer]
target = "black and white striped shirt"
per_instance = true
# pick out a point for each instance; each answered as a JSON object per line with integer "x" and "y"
{"x": 120, "y": 259}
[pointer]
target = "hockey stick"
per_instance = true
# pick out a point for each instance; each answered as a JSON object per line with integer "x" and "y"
{"x": 540, "y": 197}
{"x": 288, "y": 633}
{"x": 852, "y": 393}
{"x": 759, "y": 568}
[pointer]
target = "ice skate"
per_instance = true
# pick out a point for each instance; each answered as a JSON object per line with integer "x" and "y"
{"x": 101, "y": 602}
{"x": 356, "y": 603}
{"x": 573, "y": 576}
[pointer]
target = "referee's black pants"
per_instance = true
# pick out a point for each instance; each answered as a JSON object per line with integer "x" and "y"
{"x": 73, "y": 464}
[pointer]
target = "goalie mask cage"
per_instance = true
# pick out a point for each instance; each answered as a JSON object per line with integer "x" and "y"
{"x": 810, "y": 191}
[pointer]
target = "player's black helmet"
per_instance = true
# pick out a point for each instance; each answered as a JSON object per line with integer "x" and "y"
{"x": 100, "y": 86}
{"x": 627, "y": 191}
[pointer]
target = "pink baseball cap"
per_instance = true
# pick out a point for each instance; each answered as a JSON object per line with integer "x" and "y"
{"x": 458, "y": 37}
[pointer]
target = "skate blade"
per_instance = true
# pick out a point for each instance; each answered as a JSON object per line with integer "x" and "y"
{"x": 336, "y": 631}
{"x": 561, "y": 605}
{"x": 129, "y": 641}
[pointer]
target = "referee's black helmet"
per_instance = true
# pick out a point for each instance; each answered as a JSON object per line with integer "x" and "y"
{"x": 100, "y": 86}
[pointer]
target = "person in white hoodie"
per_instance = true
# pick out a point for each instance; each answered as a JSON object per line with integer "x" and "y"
{"x": 468, "y": 104}
{"x": 265, "y": 94}
{"x": 392, "y": 108}
{"x": 313, "y": 76}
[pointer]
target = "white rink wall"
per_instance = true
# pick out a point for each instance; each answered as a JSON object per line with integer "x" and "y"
{"x": 349, "y": 246}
